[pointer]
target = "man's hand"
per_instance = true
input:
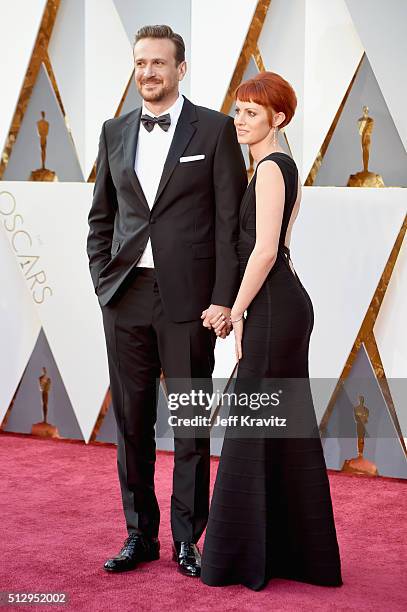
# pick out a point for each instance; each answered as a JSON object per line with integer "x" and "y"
{"x": 217, "y": 318}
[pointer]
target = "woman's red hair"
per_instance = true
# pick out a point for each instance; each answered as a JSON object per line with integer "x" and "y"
{"x": 273, "y": 92}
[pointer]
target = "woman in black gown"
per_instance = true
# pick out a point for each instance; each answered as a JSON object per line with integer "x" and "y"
{"x": 271, "y": 513}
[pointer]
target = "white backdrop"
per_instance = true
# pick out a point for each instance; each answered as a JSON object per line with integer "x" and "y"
{"x": 48, "y": 228}
{"x": 15, "y": 52}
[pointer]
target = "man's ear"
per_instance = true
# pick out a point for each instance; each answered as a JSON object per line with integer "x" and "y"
{"x": 182, "y": 69}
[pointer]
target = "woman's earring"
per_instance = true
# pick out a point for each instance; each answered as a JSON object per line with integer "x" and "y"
{"x": 275, "y": 140}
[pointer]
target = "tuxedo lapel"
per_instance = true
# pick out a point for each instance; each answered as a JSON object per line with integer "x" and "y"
{"x": 130, "y": 138}
{"x": 183, "y": 133}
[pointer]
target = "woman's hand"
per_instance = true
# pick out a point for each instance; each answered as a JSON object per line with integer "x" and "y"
{"x": 238, "y": 323}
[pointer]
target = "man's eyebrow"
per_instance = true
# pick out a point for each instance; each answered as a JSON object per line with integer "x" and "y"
{"x": 154, "y": 59}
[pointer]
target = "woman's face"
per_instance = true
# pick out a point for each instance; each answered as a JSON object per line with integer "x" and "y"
{"x": 251, "y": 122}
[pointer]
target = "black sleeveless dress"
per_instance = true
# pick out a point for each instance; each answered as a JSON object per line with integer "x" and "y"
{"x": 271, "y": 513}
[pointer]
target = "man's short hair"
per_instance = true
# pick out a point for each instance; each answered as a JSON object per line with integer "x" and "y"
{"x": 163, "y": 31}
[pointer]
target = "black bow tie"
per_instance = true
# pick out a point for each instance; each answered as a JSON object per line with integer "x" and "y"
{"x": 164, "y": 121}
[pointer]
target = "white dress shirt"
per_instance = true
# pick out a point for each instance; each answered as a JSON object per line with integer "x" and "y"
{"x": 152, "y": 151}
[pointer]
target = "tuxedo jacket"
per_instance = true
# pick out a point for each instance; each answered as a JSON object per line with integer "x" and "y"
{"x": 193, "y": 223}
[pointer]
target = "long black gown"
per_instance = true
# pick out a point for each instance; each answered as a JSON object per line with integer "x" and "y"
{"x": 271, "y": 513}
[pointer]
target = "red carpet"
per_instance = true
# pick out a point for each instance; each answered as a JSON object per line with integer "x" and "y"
{"x": 61, "y": 517}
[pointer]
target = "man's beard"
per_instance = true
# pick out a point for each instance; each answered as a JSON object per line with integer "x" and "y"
{"x": 153, "y": 96}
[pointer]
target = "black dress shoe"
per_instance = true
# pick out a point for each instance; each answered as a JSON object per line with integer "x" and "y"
{"x": 136, "y": 548}
{"x": 188, "y": 558}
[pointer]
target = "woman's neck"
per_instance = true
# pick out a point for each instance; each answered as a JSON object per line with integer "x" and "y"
{"x": 260, "y": 151}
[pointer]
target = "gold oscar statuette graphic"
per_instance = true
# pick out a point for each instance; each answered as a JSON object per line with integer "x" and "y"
{"x": 360, "y": 465}
{"x": 43, "y": 174}
{"x": 44, "y": 429}
{"x": 365, "y": 178}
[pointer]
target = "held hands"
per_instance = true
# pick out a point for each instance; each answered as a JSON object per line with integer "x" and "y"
{"x": 217, "y": 318}
{"x": 221, "y": 320}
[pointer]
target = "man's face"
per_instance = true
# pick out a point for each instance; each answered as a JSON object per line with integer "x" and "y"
{"x": 155, "y": 70}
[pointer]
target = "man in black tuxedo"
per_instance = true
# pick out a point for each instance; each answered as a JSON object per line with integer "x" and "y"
{"x": 162, "y": 249}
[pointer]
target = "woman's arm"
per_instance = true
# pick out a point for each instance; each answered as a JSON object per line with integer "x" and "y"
{"x": 270, "y": 197}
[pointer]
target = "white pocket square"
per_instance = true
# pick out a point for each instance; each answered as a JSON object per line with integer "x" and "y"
{"x": 189, "y": 158}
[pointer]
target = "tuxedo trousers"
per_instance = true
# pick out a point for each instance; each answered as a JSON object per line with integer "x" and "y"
{"x": 141, "y": 341}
